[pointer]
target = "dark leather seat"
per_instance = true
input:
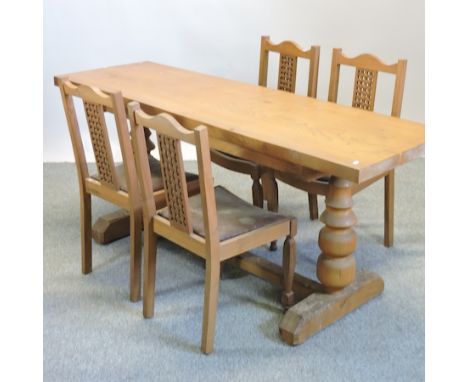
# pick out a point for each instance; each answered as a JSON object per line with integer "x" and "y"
{"x": 235, "y": 216}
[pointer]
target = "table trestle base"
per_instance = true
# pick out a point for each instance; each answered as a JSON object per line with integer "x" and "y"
{"x": 111, "y": 227}
{"x": 316, "y": 308}
{"x": 320, "y": 310}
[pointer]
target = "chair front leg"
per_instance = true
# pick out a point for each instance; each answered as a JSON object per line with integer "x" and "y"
{"x": 149, "y": 269}
{"x": 289, "y": 265}
{"x": 212, "y": 274}
{"x": 270, "y": 192}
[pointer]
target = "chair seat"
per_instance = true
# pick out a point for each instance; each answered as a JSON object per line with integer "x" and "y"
{"x": 156, "y": 177}
{"x": 235, "y": 216}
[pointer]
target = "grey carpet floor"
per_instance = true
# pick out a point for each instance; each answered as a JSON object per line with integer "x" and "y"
{"x": 92, "y": 332}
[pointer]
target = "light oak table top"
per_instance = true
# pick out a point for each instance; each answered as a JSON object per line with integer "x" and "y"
{"x": 263, "y": 123}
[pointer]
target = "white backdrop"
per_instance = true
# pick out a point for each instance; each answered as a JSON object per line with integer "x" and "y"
{"x": 223, "y": 38}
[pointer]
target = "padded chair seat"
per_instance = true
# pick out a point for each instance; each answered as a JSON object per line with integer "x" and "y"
{"x": 156, "y": 177}
{"x": 235, "y": 216}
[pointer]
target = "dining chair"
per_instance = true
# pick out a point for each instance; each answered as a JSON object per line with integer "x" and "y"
{"x": 116, "y": 184}
{"x": 289, "y": 53}
{"x": 215, "y": 224}
{"x": 367, "y": 68}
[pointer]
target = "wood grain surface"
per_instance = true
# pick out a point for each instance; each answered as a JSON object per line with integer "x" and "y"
{"x": 340, "y": 140}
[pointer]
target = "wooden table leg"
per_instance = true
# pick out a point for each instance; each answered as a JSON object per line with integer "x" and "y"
{"x": 341, "y": 289}
{"x": 336, "y": 270}
{"x": 336, "y": 265}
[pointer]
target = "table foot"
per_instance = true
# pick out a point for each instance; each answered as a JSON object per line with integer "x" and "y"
{"x": 110, "y": 227}
{"x": 320, "y": 310}
{"x": 341, "y": 289}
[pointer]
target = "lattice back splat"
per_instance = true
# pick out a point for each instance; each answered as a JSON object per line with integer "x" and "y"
{"x": 287, "y": 73}
{"x": 365, "y": 84}
{"x": 101, "y": 145}
{"x": 175, "y": 184}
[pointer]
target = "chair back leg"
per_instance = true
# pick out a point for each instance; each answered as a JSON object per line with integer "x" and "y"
{"x": 149, "y": 269}
{"x": 135, "y": 254}
{"x": 389, "y": 208}
{"x": 257, "y": 192}
{"x": 313, "y": 207}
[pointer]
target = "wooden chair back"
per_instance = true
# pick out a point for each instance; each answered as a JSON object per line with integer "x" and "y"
{"x": 365, "y": 79}
{"x": 170, "y": 134}
{"x": 289, "y": 53}
{"x": 95, "y": 103}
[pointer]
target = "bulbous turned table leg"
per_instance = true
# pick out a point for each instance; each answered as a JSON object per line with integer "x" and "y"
{"x": 336, "y": 265}
{"x": 342, "y": 289}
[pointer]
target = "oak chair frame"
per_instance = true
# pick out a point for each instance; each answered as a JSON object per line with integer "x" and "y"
{"x": 107, "y": 186}
{"x": 178, "y": 228}
{"x": 364, "y": 92}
